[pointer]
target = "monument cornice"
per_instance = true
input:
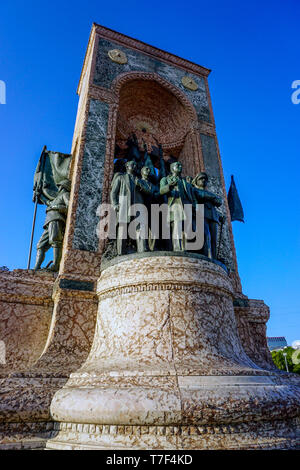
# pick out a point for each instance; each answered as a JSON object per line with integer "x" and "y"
{"x": 140, "y": 46}
{"x": 25, "y": 299}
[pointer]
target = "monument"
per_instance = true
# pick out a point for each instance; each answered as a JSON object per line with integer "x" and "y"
{"x": 143, "y": 343}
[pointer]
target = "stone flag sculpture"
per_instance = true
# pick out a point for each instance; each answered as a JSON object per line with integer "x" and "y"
{"x": 52, "y": 168}
{"x": 51, "y": 187}
{"x": 234, "y": 203}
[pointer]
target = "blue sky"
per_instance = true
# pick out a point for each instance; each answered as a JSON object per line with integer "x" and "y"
{"x": 252, "y": 48}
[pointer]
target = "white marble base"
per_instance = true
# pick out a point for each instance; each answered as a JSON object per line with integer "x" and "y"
{"x": 167, "y": 369}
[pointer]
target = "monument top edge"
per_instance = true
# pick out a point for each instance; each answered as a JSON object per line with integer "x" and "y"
{"x": 105, "y": 32}
{"x": 156, "y": 254}
{"x": 123, "y": 39}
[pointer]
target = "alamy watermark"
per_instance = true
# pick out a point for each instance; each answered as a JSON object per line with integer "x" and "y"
{"x": 2, "y": 92}
{"x": 183, "y": 223}
{"x": 296, "y": 94}
{"x": 2, "y": 353}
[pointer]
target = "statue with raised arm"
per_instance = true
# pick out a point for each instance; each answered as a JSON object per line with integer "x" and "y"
{"x": 133, "y": 151}
{"x": 54, "y": 226}
{"x": 158, "y": 152}
{"x": 212, "y": 217}
{"x": 156, "y": 174}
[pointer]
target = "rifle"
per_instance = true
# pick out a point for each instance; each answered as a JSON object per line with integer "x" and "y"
{"x": 37, "y": 192}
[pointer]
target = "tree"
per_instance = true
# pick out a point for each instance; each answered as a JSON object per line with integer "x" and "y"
{"x": 279, "y": 361}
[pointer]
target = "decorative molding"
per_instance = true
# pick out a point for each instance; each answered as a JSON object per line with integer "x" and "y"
{"x": 29, "y": 276}
{"x": 107, "y": 429}
{"x": 135, "y": 430}
{"x": 253, "y": 310}
{"x": 153, "y": 51}
{"x": 162, "y": 286}
{"x": 25, "y": 299}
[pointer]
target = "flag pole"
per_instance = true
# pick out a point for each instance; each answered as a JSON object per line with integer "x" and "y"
{"x": 32, "y": 233}
{"x": 37, "y": 193}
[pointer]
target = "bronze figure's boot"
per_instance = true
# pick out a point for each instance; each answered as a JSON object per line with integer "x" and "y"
{"x": 57, "y": 253}
{"x": 40, "y": 256}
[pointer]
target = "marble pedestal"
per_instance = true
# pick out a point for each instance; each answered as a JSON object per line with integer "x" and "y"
{"x": 167, "y": 369}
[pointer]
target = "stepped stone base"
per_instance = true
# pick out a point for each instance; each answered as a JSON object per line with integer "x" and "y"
{"x": 25, "y": 435}
{"x": 167, "y": 369}
{"x": 46, "y": 331}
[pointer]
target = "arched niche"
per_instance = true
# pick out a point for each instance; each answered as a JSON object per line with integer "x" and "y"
{"x": 157, "y": 111}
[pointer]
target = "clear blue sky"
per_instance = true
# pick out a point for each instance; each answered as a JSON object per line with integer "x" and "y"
{"x": 252, "y": 48}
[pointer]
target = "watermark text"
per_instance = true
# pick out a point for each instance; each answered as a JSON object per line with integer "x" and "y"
{"x": 296, "y": 94}
{"x": 182, "y": 223}
{"x": 2, "y": 92}
{"x": 2, "y": 353}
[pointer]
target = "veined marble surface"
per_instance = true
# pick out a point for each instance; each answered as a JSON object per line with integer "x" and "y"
{"x": 166, "y": 354}
{"x": 90, "y": 191}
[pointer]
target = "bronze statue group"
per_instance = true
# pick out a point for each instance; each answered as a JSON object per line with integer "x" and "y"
{"x": 141, "y": 178}
{"x": 147, "y": 179}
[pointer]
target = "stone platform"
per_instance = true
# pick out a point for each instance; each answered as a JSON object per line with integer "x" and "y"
{"x": 47, "y": 332}
{"x": 167, "y": 369}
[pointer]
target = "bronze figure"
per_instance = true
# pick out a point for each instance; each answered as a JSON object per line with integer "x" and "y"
{"x": 211, "y": 215}
{"x": 179, "y": 193}
{"x": 54, "y": 227}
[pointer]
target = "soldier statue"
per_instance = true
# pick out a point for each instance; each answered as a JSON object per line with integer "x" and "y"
{"x": 212, "y": 217}
{"x": 54, "y": 226}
